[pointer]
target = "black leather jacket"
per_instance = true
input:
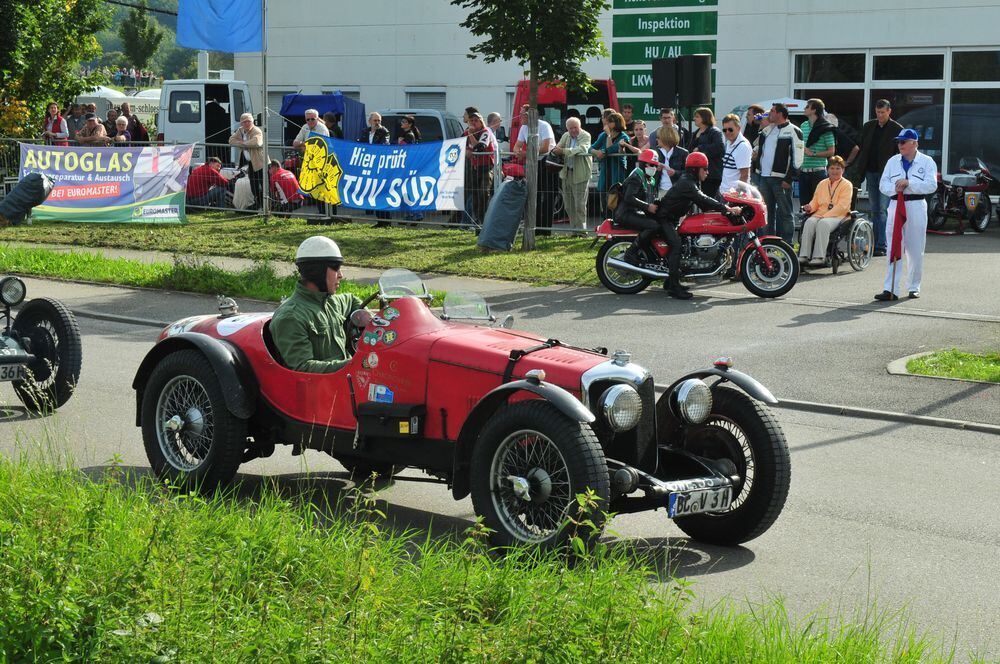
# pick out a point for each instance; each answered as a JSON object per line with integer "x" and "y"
{"x": 682, "y": 195}
{"x": 636, "y": 193}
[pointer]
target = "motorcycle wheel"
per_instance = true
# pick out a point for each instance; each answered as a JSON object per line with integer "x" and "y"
{"x": 980, "y": 219}
{"x": 618, "y": 281}
{"x": 743, "y": 431}
{"x": 935, "y": 215}
{"x": 776, "y": 280}
{"x": 191, "y": 438}
{"x": 860, "y": 245}
{"x": 528, "y": 466}
{"x": 48, "y": 330}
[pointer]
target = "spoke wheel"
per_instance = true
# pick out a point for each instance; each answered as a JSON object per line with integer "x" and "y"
{"x": 861, "y": 244}
{"x": 528, "y": 466}
{"x": 742, "y": 431}
{"x": 615, "y": 280}
{"x": 935, "y": 214}
{"x": 189, "y": 434}
{"x": 773, "y": 281}
{"x": 48, "y": 330}
{"x": 981, "y": 216}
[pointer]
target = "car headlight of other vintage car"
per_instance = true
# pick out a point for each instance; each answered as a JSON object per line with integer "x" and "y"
{"x": 622, "y": 407}
{"x": 12, "y": 291}
{"x": 693, "y": 400}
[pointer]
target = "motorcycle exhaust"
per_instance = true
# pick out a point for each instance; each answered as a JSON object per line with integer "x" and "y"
{"x": 622, "y": 265}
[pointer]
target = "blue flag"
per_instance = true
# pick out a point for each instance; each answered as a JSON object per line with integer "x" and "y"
{"x": 231, "y": 26}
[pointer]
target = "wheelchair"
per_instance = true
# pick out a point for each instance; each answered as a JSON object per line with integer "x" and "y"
{"x": 851, "y": 242}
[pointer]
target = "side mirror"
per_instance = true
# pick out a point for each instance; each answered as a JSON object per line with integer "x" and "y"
{"x": 360, "y": 318}
{"x": 507, "y": 322}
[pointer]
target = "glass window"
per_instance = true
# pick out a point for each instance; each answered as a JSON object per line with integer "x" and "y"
{"x": 238, "y": 107}
{"x": 830, "y": 68}
{"x": 908, "y": 67}
{"x": 185, "y": 106}
{"x": 922, "y": 110}
{"x": 975, "y": 66}
{"x": 973, "y": 128}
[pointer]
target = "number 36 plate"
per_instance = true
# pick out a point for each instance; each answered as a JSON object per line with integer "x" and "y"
{"x": 694, "y": 502}
{"x": 11, "y": 372}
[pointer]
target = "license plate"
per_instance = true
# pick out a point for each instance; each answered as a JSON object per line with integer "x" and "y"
{"x": 695, "y": 502}
{"x": 11, "y": 372}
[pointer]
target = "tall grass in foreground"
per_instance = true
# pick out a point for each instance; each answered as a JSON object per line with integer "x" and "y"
{"x": 120, "y": 569}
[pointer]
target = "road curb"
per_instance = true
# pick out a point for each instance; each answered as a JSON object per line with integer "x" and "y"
{"x": 128, "y": 320}
{"x": 898, "y": 368}
{"x": 885, "y": 415}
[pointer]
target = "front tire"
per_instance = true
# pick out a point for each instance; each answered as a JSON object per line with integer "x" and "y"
{"x": 529, "y": 464}
{"x": 744, "y": 431}
{"x": 191, "y": 438}
{"x": 48, "y": 330}
{"x": 618, "y": 281}
{"x": 980, "y": 219}
{"x": 774, "y": 281}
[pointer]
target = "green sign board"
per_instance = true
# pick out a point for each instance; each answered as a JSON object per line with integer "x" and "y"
{"x": 638, "y": 80}
{"x": 663, "y": 4}
{"x": 640, "y": 53}
{"x": 668, "y": 24}
{"x": 643, "y": 108}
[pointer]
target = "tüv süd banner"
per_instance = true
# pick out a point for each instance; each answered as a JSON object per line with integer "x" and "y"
{"x": 423, "y": 176}
{"x": 140, "y": 184}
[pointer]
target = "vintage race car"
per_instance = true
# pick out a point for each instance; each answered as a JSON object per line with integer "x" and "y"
{"x": 40, "y": 348}
{"x": 522, "y": 423}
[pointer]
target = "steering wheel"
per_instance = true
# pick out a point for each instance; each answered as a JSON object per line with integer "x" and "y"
{"x": 355, "y": 325}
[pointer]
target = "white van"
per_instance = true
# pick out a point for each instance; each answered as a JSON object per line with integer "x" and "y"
{"x": 203, "y": 111}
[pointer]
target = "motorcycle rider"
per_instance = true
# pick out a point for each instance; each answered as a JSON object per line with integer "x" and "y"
{"x": 635, "y": 208}
{"x": 677, "y": 203}
{"x": 308, "y": 327}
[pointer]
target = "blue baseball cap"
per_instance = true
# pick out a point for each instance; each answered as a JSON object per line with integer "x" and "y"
{"x": 908, "y": 135}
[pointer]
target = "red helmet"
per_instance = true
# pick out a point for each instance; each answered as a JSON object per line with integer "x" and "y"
{"x": 648, "y": 156}
{"x": 696, "y": 160}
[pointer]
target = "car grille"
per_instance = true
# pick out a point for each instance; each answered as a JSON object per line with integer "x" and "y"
{"x": 646, "y": 429}
{"x": 635, "y": 447}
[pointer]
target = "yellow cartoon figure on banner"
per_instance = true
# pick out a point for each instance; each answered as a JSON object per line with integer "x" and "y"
{"x": 321, "y": 172}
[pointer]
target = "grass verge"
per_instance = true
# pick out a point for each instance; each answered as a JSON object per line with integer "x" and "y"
{"x": 120, "y": 569}
{"x": 189, "y": 275}
{"x": 557, "y": 260}
{"x": 954, "y": 363}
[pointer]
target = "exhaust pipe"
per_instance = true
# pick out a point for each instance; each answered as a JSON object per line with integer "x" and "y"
{"x": 622, "y": 265}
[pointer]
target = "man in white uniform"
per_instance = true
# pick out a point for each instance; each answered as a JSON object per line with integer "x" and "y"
{"x": 913, "y": 174}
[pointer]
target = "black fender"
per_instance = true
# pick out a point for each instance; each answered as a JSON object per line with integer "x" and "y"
{"x": 239, "y": 386}
{"x": 567, "y": 404}
{"x": 747, "y": 383}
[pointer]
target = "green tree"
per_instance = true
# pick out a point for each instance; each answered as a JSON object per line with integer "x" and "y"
{"x": 141, "y": 37}
{"x": 42, "y": 43}
{"x": 550, "y": 39}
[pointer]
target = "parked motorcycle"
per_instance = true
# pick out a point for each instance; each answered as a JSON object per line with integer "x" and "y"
{"x": 711, "y": 243}
{"x": 964, "y": 198}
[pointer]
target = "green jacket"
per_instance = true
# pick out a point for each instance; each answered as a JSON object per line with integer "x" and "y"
{"x": 308, "y": 329}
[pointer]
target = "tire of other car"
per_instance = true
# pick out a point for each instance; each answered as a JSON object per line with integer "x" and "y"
{"x": 50, "y": 332}
{"x": 191, "y": 437}
{"x": 745, "y": 432}
{"x": 528, "y": 466}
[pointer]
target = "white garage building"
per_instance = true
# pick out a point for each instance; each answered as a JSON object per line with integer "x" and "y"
{"x": 938, "y": 62}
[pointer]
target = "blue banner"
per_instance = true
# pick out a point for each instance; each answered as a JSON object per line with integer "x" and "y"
{"x": 424, "y": 176}
{"x": 231, "y": 26}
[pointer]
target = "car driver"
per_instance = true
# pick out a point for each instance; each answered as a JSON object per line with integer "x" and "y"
{"x": 308, "y": 328}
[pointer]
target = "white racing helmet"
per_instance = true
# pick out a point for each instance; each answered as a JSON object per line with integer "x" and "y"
{"x": 319, "y": 249}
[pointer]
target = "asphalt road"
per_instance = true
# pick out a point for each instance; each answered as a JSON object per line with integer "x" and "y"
{"x": 905, "y": 514}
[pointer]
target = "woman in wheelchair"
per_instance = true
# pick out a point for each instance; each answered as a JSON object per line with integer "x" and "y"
{"x": 830, "y": 205}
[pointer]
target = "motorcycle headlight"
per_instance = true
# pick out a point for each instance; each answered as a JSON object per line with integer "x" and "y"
{"x": 693, "y": 399}
{"x": 12, "y": 291}
{"x": 622, "y": 407}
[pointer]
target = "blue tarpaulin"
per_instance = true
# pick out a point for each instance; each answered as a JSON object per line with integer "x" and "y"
{"x": 353, "y": 118}
{"x": 231, "y": 26}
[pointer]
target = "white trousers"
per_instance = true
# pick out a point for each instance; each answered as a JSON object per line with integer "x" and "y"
{"x": 914, "y": 240}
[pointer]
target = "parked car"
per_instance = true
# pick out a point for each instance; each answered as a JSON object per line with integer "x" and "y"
{"x": 522, "y": 423}
{"x": 433, "y": 125}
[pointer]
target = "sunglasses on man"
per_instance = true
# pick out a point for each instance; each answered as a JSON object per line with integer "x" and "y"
{"x": 729, "y": 130}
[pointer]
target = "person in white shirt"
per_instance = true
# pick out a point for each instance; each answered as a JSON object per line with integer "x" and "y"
{"x": 737, "y": 155}
{"x": 312, "y": 124}
{"x": 546, "y": 176}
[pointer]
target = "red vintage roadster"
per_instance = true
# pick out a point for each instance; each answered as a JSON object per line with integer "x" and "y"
{"x": 523, "y": 423}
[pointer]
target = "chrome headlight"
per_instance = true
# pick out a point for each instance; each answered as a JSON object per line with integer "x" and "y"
{"x": 622, "y": 407}
{"x": 12, "y": 291}
{"x": 694, "y": 400}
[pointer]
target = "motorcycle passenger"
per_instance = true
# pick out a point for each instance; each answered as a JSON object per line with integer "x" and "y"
{"x": 635, "y": 207}
{"x": 675, "y": 204}
{"x": 308, "y": 327}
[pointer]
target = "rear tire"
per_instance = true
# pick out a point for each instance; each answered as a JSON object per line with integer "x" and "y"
{"x": 981, "y": 218}
{"x": 935, "y": 217}
{"x": 48, "y": 330}
{"x": 776, "y": 280}
{"x": 860, "y": 244}
{"x": 615, "y": 280}
{"x": 529, "y": 464}
{"x": 744, "y": 431}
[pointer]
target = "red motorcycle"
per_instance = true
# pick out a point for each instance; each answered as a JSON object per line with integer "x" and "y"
{"x": 711, "y": 243}
{"x": 964, "y": 199}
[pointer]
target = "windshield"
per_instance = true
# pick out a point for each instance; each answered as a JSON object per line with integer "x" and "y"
{"x": 466, "y": 304}
{"x": 398, "y": 282}
{"x": 745, "y": 190}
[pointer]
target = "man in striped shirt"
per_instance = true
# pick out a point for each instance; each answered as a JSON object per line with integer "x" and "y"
{"x": 820, "y": 145}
